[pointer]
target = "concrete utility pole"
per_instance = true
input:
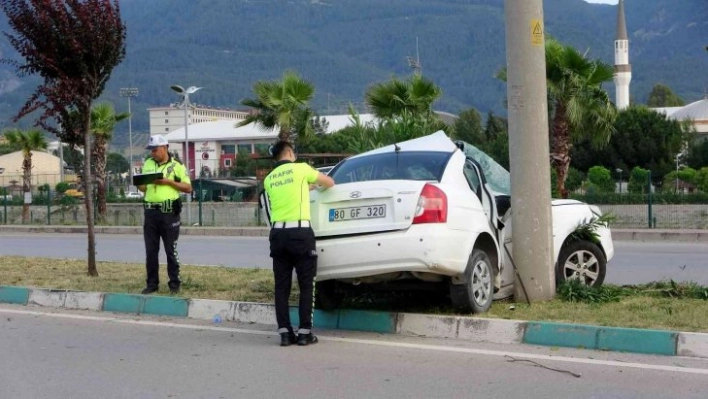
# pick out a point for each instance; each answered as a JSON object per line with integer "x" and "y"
{"x": 528, "y": 150}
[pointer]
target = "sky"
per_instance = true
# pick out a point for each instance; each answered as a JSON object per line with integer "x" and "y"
{"x": 602, "y": 1}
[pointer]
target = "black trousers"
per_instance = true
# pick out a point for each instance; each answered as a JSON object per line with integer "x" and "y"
{"x": 294, "y": 249}
{"x": 163, "y": 226}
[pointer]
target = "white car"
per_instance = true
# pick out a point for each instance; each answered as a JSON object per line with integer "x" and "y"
{"x": 436, "y": 211}
{"x": 134, "y": 195}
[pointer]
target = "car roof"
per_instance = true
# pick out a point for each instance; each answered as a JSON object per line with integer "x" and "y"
{"x": 435, "y": 142}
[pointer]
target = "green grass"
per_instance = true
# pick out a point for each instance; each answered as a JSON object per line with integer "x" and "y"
{"x": 663, "y": 305}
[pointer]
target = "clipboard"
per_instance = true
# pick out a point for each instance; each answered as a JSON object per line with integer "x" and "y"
{"x": 146, "y": 178}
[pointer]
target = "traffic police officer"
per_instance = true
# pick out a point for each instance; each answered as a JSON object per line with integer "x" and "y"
{"x": 292, "y": 241}
{"x": 162, "y": 212}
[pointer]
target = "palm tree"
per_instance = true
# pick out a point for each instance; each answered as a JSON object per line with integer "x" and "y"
{"x": 28, "y": 141}
{"x": 393, "y": 98}
{"x": 578, "y": 105}
{"x": 579, "y": 108}
{"x": 280, "y": 104}
{"x": 103, "y": 122}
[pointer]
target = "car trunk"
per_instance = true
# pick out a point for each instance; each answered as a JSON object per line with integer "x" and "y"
{"x": 365, "y": 207}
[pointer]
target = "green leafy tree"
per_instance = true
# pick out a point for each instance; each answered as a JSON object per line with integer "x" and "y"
{"x": 281, "y": 104}
{"x": 672, "y": 179}
{"x": 642, "y": 138}
{"x": 702, "y": 179}
{"x": 468, "y": 127}
{"x": 117, "y": 163}
{"x": 73, "y": 45}
{"x": 27, "y": 141}
{"x": 601, "y": 178}
{"x": 662, "y": 96}
{"x": 7, "y": 148}
{"x": 244, "y": 165}
{"x": 638, "y": 180}
{"x": 575, "y": 179}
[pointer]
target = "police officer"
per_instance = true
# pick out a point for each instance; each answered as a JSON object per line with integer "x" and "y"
{"x": 162, "y": 212}
{"x": 292, "y": 241}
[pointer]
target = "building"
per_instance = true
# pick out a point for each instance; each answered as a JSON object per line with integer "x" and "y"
{"x": 623, "y": 69}
{"x": 164, "y": 120}
{"x": 213, "y": 146}
{"x": 45, "y": 170}
{"x": 696, "y": 113}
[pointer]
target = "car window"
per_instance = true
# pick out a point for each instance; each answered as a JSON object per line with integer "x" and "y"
{"x": 472, "y": 177}
{"x": 413, "y": 165}
{"x": 496, "y": 176}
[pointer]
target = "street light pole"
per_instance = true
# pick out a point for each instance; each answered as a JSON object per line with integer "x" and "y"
{"x": 618, "y": 170}
{"x": 185, "y": 95}
{"x": 130, "y": 92}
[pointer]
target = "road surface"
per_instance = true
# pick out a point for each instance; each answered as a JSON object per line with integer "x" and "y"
{"x": 634, "y": 262}
{"x": 90, "y": 354}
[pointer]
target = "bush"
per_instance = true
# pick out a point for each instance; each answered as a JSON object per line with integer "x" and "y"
{"x": 576, "y": 291}
{"x": 61, "y": 187}
{"x": 601, "y": 178}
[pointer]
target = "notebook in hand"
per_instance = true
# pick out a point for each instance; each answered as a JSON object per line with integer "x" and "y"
{"x": 147, "y": 178}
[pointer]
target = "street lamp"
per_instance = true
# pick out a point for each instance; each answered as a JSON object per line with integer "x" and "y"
{"x": 185, "y": 95}
{"x": 678, "y": 157}
{"x": 618, "y": 170}
{"x": 130, "y": 92}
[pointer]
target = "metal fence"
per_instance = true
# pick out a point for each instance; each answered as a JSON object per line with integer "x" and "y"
{"x": 246, "y": 214}
{"x": 218, "y": 214}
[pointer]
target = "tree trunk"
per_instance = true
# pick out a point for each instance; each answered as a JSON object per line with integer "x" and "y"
{"x": 88, "y": 184}
{"x": 560, "y": 149}
{"x": 284, "y": 134}
{"x": 99, "y": 168}
{"x": 26, "y": 185}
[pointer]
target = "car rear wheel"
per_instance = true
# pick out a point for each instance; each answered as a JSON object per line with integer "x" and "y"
{"x": 581, "y": 260}
{"x": 475, "y": 294}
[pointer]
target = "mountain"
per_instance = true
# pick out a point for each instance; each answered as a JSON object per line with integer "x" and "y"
{"x": 343, "y": 46}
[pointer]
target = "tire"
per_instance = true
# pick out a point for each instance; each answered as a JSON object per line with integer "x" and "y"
{"x": 582, "y": 260}
{"x": 326, "y": 297}
{"x": 476, "y": 294}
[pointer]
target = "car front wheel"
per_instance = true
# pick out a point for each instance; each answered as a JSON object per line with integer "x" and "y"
{"x": 475, "y": 294}
{"x": 581, "y": 260}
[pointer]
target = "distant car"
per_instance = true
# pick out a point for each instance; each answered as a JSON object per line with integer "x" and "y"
{"x": 134, "y": 195}
{"x": 6, "y": 197}
{"x": 433, "y": 212}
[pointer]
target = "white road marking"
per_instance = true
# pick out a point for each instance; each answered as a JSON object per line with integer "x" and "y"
{"x": 437, "y": 348}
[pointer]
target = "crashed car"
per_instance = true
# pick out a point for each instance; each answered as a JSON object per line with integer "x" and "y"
{"x": 434, "y": 211}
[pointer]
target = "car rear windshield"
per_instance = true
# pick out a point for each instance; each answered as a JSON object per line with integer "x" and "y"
{"x": 410, "y": 165}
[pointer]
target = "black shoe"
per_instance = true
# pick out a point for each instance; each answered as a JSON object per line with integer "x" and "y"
{"x": 306, "y": 339}
{"x": 287, "y": 338}
{"x": 149, "y": 290}
{"x": 174, "y": 290}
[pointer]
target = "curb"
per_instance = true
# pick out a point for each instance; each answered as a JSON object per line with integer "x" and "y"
{"x": 668, "y": 235}
{"x": 656, "y": 342}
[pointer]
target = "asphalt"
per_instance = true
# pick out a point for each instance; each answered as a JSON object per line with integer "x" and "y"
{"x": 659, "y": 342}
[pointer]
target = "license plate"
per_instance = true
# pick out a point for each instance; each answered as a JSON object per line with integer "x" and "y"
{"x": 357, "y": 212}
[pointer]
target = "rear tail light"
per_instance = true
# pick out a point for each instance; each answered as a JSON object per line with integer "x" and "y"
{"x": 432, "y": 206}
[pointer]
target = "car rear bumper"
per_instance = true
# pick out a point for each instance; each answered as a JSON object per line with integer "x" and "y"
{"x": 425, "y": 248}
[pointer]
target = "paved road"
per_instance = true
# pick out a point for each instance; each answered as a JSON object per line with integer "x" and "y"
{"x": 634, "y": 262}
{"x": 88, "y": 355}
{"x": 193, "y": 250}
